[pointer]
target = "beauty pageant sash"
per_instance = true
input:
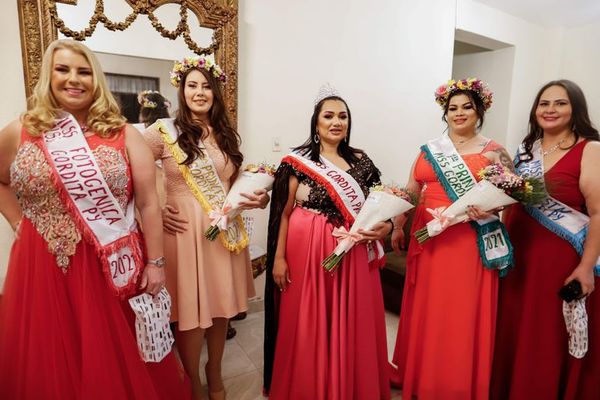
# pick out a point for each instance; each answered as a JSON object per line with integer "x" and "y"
{"x": 90, "y": 202}
{"x": 451, "y": 170}
{"x": 203, "y": 180}
{"x": 341, "y": 186}
{"x": 566, "y": 222}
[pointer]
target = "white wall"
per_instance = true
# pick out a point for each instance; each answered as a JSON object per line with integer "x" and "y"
{"x": 536, "y": 58}
{"x": 580, "y": 62}
{"x": 496, "y": 69}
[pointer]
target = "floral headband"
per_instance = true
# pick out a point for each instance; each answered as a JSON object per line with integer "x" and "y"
{"x": 474, "y": 85}
{"x": 203, "y": 61}
{"x": 145, "y": 103}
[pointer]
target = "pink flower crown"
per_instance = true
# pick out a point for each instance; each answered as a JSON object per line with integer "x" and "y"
{"x": 145, "y": 103}
{"x": 472, "y": 84}
{"x": 204, "y": 61}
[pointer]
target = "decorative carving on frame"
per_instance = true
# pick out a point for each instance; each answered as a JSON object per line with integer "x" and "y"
{"x": 38, "y": 29}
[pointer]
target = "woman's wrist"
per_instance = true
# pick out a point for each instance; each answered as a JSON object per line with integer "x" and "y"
{"x": 159, "y": 262}
{"x": 397, "y": 226}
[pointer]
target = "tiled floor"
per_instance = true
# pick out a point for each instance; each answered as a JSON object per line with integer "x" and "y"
{"x": 243, "y": 359}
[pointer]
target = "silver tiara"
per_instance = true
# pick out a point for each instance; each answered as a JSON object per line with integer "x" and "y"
{"x": 326, "y": 90}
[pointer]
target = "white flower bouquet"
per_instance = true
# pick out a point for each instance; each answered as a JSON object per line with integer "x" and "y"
{"x": 254, "y": 177}
{"x": 384, "y": 202}
{"x": 498, "y": 187}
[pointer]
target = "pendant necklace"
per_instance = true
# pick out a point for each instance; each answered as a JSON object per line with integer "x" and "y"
{"x": 463, "y": 142}
{"x": 553, "y": 148}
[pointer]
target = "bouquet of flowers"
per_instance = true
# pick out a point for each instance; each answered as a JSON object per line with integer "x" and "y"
{"x": 384, "y": 202}
{"x": 253, "y": 177}
{"x": 499, "y": 187}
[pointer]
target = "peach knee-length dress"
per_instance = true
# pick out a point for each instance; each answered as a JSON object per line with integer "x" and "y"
{"x": 205, "y": 279}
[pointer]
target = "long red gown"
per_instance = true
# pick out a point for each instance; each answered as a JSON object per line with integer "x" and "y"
{"x": 531, "y": 360}
{"x": 445, "y": 337}
{"x": 331, "y": 338}
{"x": 63, "y": 333}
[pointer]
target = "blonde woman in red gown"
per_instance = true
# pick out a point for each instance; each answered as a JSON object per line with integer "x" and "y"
{"x": 532, "y": 358}
{"x": 66, "y": 328}
{"x": 445, "y": 337}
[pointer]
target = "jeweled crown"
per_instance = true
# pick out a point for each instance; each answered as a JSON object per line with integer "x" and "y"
{"x": 326, "y": 90}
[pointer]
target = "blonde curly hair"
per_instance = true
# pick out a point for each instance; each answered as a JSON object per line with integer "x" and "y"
{"x": 104, "y": 117}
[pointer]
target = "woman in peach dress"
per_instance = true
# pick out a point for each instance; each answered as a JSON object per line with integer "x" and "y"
{"x": 209, "y": 281}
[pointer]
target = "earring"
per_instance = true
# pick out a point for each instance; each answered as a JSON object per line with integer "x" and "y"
{"x": 316, "y": 139}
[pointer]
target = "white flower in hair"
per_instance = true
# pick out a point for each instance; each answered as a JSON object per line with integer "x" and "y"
{"x": 326, "y": 90}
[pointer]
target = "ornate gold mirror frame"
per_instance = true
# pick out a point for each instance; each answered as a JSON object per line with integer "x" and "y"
{"x": 39, "y": 28}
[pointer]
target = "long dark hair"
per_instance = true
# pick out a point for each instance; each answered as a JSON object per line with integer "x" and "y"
{"x": 148, "y": 114}
{"x": 581, "y": 125}
{"x": 228, "y": 139}
{"x": 312, "y": 150}
{"x": 475, "y": 100}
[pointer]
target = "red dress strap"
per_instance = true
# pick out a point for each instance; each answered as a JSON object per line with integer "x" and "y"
{"x": 491, "y": 145}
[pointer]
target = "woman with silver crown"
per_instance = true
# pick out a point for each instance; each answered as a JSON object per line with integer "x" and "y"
{"x": 446, "y": 332}
{"x": 547, "y": 348}
{"x": 324, "y": 332}
{"x": 210, "y": 281}
{"x": 70, "y": 171}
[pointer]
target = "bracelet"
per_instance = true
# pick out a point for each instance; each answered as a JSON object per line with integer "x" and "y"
{"x": 159, "y": 262}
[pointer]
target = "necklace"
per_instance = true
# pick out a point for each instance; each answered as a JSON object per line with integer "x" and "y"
{"x": 464, "y": 141}
{"x": 553, "y": 148}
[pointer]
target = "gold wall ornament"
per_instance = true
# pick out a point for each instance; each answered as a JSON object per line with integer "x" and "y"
{"x": 39, "y": 21}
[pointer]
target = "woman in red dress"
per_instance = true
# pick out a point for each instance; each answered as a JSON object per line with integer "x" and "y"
{"x": 66, "y": 328}
{"x": 532, "y": 358}
{"x": 324, "y": 331}
{"x": 445, "y": 337}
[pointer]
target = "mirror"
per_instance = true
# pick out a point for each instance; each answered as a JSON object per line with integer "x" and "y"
{"x": 136, "y": 41}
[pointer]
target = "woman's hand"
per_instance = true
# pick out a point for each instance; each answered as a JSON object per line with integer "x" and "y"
{"x": 398, "y": 239}
{"x": 153, "y": 279}
{"x": 379, "y": 231}
{"x": 281, "y": 273}
{"x": 259, "y": 199}
{"x": 172, "y": 222}
{"x": 585, "y": 276}
{"x": 475, "y": 213}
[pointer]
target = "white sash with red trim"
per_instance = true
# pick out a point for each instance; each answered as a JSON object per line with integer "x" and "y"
{"x": 343, "y": 189}
{"x": 91, "y": 204}
{"x": 341, "y": 186}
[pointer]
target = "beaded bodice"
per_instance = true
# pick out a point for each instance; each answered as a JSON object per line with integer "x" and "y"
{"x": 33, "y": 184}
{"x": 314, "y": 196}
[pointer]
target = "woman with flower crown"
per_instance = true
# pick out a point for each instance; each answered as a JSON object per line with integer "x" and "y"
{"x": 324, "y": 331}
{"x": 153, "y": 106}
{"x": 446, "y": 332}
{"x": 210, "y": 281}
{"x": 69, "y": 172}
{"x": 545, "y": 348}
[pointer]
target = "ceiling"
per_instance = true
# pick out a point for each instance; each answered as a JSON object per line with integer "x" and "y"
{"x": 550, "y": 13}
